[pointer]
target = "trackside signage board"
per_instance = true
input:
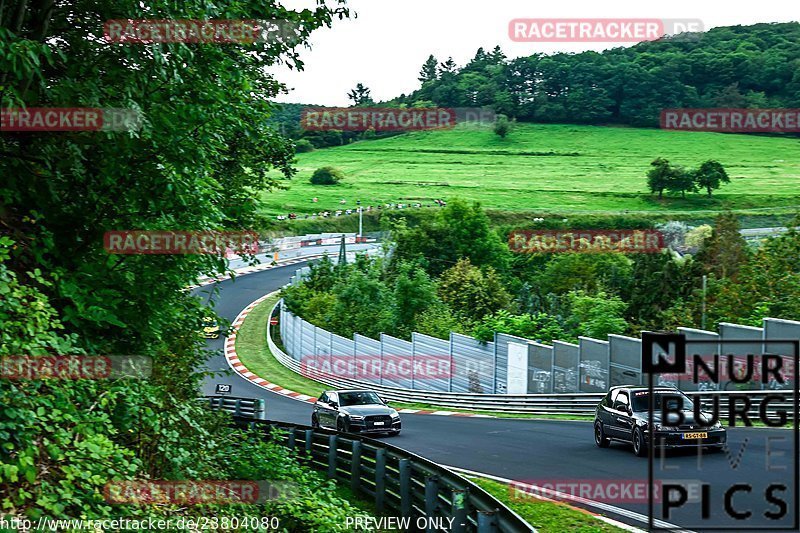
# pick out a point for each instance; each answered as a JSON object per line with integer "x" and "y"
{"x": 723, "y": 414}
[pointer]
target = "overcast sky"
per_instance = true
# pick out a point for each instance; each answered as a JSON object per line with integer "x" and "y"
{"x": 385, "y": 46}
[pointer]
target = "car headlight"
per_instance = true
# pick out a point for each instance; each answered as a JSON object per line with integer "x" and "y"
{"x": 356, "y": 417}
{"x": 659, "y": 427}
{"x": 717, "y": 425}
{"x": 394, "y": 414}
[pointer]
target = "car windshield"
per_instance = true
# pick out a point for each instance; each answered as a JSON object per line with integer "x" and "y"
{"x": 640, "y": 400}
{"x": 358, "y": 398}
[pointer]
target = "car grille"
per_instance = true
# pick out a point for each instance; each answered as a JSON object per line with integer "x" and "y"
{"x": 370, "y": 421}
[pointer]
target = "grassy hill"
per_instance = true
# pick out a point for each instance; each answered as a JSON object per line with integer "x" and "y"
{"x": 547, "y": 167}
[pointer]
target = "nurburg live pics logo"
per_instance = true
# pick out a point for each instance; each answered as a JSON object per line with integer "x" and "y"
{"x": 666, "y": 353}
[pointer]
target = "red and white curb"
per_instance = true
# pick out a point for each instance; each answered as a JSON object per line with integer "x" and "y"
{"x": 237, "y": 366}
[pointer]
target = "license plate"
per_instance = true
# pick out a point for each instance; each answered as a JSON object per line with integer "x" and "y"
{"x": 377, "y": 423}
{"x": 694, "y": 436}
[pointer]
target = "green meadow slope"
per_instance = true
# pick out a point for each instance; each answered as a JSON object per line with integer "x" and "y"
{"x": 547, "y": 167}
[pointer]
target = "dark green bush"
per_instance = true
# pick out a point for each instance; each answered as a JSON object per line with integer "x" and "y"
{"x": 327, "y": 176}
{"x": 302, "y": 146}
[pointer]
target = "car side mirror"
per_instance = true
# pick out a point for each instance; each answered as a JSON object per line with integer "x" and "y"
{"x": 334, "y": 405}
{"x": 629, "y": 410}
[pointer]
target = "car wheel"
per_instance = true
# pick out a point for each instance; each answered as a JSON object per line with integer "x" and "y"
{"x": 342, "y": 426}
{"x": 600, "y": 436}
{"x": 638, "y": 443}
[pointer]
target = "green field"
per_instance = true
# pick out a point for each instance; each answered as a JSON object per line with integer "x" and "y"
{"x": 547, "y": 167}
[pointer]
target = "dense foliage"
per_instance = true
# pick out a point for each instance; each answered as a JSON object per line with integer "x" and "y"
{"x": 736, "y": 66}
{"x": 326, "y": 176}
{"x": 197, "y": 162}
{"x": 440, "y": 278}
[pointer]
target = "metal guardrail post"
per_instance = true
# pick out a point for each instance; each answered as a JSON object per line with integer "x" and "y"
{"x": 380, "y": 478}
{"x": 309, "y": 441}
{"x": 459, "y": 510}
{"x": 332, "y": 445}
{"x": 431, "y": 498}
{"x": 260, "y": 410}
{"x": 404, "y": 466}
{"x": 487, "y": 522}
{"x": 355, "y": 467}
{"x": 237, "y": 410}
{"x": 292, "y": 443}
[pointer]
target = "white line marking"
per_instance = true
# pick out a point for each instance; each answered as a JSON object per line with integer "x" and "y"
{"x": 638, "y": 517}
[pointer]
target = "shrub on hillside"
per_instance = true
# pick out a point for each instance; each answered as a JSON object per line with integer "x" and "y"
{"x": 327, "y": 176}
{"x": 302, "y": 146}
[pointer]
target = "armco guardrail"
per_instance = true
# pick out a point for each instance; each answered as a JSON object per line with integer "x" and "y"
{"x": 399, "y": 482}
{"x": 533, "y": 404}
{"x": 249, "y": 408}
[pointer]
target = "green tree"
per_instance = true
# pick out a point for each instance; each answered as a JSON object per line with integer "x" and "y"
{"x": 360, "y": 95}
{"x": 472, "y": 293}
{"x": 766, "y": 285}
{"x": 414, "y": 292}
{"x": 710, "y": 176}
{"x": 430, "y": 70}
{"x": 725, "y": 251}
{"x": 597, "y": 316}
{"x": 204, "y": 153}
{"x": 460, "y": 230}
{"x": 302, "y": 146}
{"x": 540, "y": 327}
{"x": 658, "y": 177}
{"x": 502, "y": 126}
{"x": 588, "y": 272}
{"x": 326, "y": 176}
{"x": 680, "y": 180}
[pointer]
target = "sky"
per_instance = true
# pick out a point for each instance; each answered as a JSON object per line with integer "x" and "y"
{"x": 385, "y": 46}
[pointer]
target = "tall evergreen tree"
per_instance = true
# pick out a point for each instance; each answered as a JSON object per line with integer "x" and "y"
{"x": 430, "y": 70}
{"x": 360, "y": 95}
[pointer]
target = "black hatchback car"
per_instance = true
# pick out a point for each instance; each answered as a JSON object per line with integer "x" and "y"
{"x": 355, "y": 411}
{"x": 622, "y": 415}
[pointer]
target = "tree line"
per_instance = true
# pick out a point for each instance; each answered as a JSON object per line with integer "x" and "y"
{"x": 735, "y": 66}
{"x": 709, "y": 176}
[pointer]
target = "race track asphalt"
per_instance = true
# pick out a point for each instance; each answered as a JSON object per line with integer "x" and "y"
{"x": 549, "y": 451}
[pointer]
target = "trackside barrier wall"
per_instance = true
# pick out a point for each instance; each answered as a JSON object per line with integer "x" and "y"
{"x": 473, "y": 363}
{"x": 534, "y": 404}
{"x": 427, "y": 348}
{"x": 593, "y": 365}
{"x": 400, "y": 483}
{"x": 482, "y": 367}
{"x": 501, "y": 362}
{"x": 625, "y": 365}
{"x": 540, "y": 368}
{"x": 566, "y": 360}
